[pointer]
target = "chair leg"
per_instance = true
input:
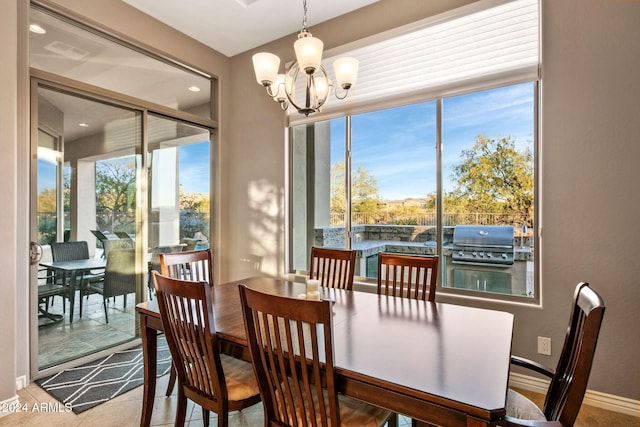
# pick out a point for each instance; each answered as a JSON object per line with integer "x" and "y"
{"x": 172, "y": 380}
{"x": 393, "y": 421}
{"x": 181, "y": 411}
{"x": 205, "y": 418}
{"x": 81, "y": 294}
{"x": 104, "y": 304}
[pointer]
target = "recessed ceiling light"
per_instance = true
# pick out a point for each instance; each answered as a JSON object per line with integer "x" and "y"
{"x": 35, "y": 28}
{"x": 83, "y": 125}
{"x": 194, "y": 88}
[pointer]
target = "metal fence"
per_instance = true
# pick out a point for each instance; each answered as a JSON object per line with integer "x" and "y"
{"x": 190, "y": 223}
{"x": 430, "y": 219}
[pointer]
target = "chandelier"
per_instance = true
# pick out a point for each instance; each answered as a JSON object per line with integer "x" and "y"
{"x": 306, "y": 70}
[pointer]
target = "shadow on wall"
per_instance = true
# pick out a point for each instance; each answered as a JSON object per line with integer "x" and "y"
{"x": 266, "y": 229}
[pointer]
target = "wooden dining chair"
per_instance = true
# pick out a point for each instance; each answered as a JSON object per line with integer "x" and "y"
{"x": 333, "y": 267}
{"x": 213, "y": 380}
{"x": 407, "y": 276}
{"x": 291, "y": 346}
{"x": 569, "y": 379}
{"x": 195, "y": 266}
{"x": 154, "y": 262}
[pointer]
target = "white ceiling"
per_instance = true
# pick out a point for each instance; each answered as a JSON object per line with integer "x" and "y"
{"x": 235, "y": 26}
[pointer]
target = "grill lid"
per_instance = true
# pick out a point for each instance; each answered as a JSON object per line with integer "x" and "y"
{"x": 492, "y": 236}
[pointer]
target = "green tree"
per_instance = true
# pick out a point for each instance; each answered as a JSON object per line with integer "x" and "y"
{"x": 116, "y": 185}
{"x": 198, "y": 202}
{"x": 493, "y": 177}
{"x": 364, "y": 190}
{"x": 47, "y": 200}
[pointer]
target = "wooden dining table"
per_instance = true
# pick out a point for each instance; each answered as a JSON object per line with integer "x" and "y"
{"x": 438, "y": 363}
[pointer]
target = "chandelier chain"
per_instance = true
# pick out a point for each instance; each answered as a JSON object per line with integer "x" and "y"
{"x": 304, "y": 16}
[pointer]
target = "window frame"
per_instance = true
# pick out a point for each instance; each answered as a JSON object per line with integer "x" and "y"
{"x": 363, "y": 283}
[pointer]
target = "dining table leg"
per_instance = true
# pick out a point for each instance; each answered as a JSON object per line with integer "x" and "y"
{"x": 149, "y": 336}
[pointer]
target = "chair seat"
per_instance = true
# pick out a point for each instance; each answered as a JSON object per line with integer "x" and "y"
{"x": 96, "y": 286}
{"x": 93, "y": 277}
{"x": 50, "y": 290}
{"x": 356, "y": 413}
{"x": 240, "y": 378}
{"x": 522, "y": 408}
{"x": 352, "y": 412}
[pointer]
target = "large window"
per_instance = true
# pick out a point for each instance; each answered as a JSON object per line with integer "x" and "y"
{"x": 436, "y": 155}
{"x": 407, "y": 195}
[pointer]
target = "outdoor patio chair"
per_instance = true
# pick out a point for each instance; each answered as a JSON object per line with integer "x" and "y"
{"x": 119, "y": 278}
{"x": 71, "y": 251}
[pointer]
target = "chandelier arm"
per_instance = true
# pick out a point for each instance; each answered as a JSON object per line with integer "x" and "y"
{"x": 335, "y": 93}
{"x": 270, "y": 91}
{"x": 312, "y": 101}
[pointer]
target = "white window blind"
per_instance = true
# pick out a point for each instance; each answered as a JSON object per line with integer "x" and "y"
{"x": 486, "y": 43}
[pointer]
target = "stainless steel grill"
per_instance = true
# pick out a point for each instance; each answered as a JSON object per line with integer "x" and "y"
{"x": 487, "y": 245}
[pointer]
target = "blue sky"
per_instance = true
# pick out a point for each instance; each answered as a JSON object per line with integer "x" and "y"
{"x": 194, "y": 167}
{"x": 397, "y": 145}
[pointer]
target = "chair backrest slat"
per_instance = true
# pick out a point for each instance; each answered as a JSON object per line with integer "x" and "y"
{"x": 407, "y": 276}
{"x": 291, "y": 345}
{"x": 334, "y": 268}
{"x": 194, "y": 266}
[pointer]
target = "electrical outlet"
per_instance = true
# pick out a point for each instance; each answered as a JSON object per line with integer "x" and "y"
{"x": 544, "y": 345}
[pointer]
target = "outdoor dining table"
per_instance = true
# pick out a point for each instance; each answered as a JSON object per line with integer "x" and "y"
{"x": 74, "y": 271}
{"x": 434, "y": 362}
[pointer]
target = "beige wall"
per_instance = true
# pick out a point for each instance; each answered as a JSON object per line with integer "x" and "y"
{"x": 8, "y": 176}
{"x": 589, "y": 116}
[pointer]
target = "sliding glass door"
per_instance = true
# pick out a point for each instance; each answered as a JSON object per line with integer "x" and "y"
{"x": 86, "y": 169}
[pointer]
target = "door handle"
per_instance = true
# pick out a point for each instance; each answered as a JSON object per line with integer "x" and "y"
{"x": 35, "y": 253}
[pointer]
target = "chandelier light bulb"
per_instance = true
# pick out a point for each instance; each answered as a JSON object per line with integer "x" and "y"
{"x": 308, "y": 52}
{"x": 265, "y": 66}
{"x": 346, "y": 70}
{"x": 322, "y": 87}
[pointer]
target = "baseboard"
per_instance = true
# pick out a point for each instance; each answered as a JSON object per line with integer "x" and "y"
{"x": 5, "y": 405}
{"x": 606, "y": 401}
{"x": 8, "y": 405}
{"x": 21, "y": 382}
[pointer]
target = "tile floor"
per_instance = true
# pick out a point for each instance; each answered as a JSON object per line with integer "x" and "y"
{"x": 124, "y": 411}
{"x": 87, "y": 334}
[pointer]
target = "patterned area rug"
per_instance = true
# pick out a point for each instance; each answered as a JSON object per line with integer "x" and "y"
{"x": 96, "y": 382}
